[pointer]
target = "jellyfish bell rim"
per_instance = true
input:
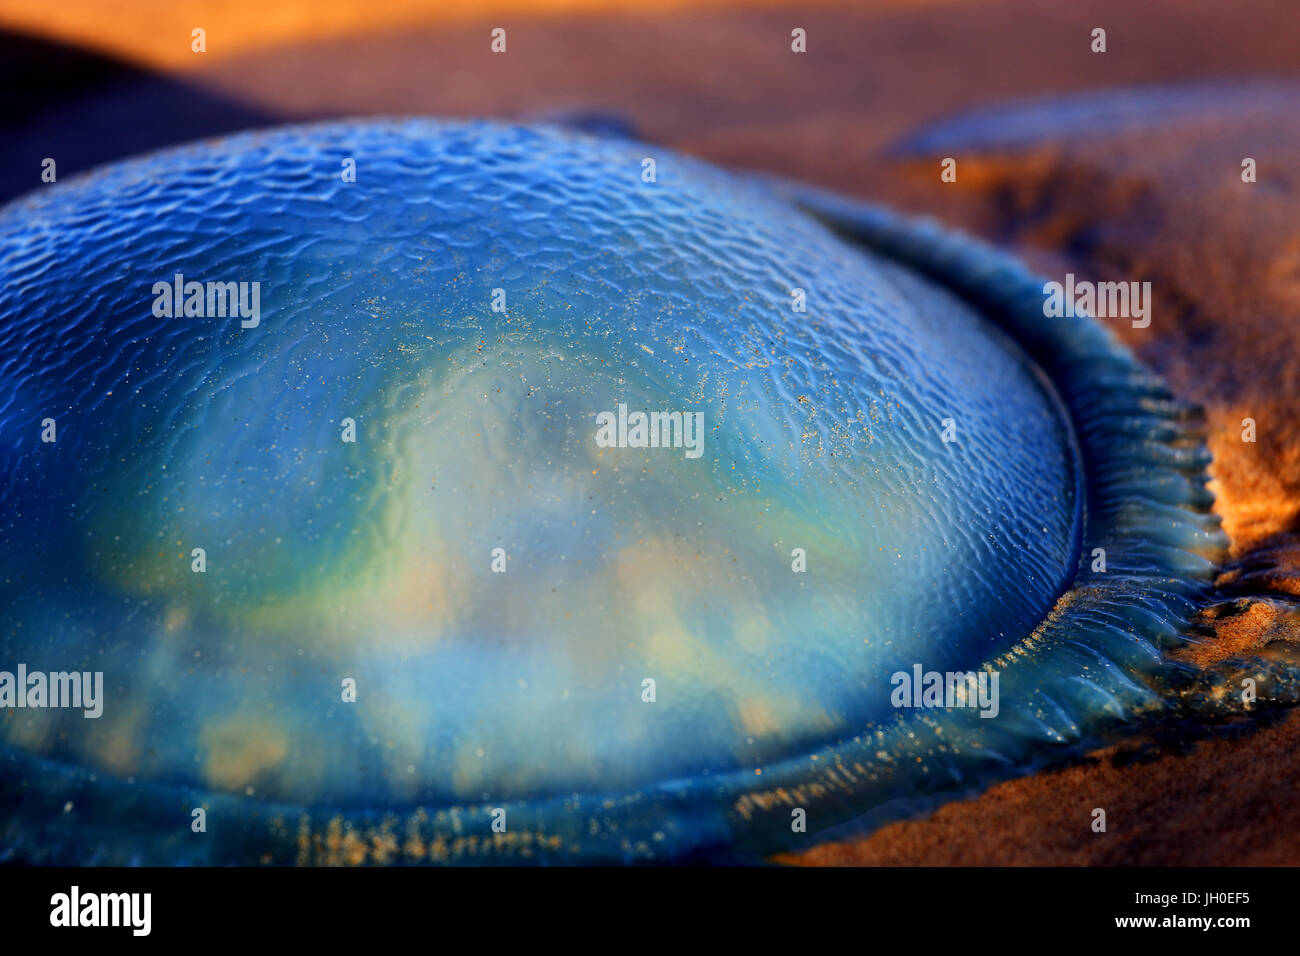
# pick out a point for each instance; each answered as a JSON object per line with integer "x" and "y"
{"x": 1142, "y": 470}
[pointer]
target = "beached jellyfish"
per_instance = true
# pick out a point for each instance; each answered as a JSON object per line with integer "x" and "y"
{"x": 470, "y": 492}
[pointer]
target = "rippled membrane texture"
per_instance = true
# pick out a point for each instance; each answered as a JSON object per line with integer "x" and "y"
{"x": 524, "y": 691}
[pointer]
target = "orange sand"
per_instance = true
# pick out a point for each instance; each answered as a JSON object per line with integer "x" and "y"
{"x": 158, "y": 32}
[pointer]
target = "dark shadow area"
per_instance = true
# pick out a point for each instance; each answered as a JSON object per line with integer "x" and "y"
{"x": 83, "y": 109}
